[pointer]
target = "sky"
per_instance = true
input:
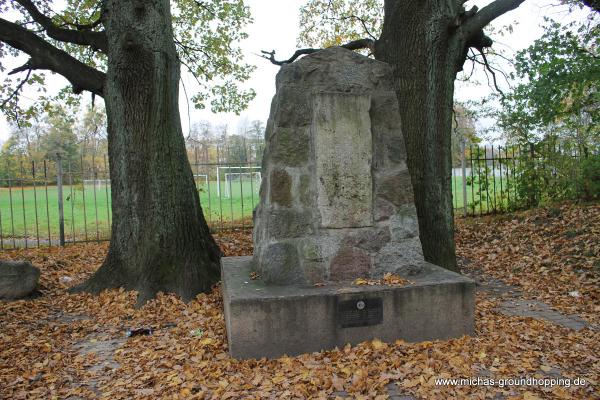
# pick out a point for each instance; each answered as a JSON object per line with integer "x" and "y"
{"x": 276, "y": 27}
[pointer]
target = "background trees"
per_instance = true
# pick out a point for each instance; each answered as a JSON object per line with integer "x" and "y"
{"x": 558, "y": 94}
{"x": 464, "y": 132}
{"x": 209, "y": 143}
{"x": 555, "y": 109}
{"x": 74, "y": 136}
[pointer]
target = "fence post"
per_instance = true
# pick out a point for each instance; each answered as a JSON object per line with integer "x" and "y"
{"x": 533, "y": 180}
{"x": 463, "y": 165}
{"x": 59, "y": 185}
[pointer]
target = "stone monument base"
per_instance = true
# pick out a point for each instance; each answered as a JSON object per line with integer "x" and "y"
{"x": 272, "y": 321}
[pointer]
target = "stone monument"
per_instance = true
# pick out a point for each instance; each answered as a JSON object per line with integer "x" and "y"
{"x": 336, "y": 205}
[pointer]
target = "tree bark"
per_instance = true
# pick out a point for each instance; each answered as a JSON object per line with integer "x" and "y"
{"x": 424, "y": 53}
{"x": 160, "y": 240}
{"x": 426, "y": 43}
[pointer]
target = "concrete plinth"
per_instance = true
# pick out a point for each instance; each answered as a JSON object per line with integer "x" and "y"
{"x": 272, "y": 321}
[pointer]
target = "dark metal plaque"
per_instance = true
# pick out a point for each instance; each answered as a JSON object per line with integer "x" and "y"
{"x": 360, "y": 312}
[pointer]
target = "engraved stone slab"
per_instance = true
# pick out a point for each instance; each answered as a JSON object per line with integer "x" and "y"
{"x": 343, "y": 152}
{"x": 336, "y": 194}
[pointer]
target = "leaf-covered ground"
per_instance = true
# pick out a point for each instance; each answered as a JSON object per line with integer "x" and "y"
{"x": 552, "y": 254}
{"x": 61, "y": 345}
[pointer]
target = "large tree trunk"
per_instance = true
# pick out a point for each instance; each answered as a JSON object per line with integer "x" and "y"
{"x": 424, "y": 55}
{"x": 160, "y": 240}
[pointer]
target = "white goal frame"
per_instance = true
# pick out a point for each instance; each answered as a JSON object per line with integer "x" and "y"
{"x": 96, "y": 182}
{"x": 239, "y": 169}
{"x": 205, "y": 179}
{"x": 230, "y": 177}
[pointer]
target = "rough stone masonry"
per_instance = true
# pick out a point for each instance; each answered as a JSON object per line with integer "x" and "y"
{"x": 336, "y": 204}
{"x": 336, "y": 198}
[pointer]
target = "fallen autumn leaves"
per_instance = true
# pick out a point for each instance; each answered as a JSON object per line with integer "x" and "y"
{"x": 546, "y": 253}
{"x": 552, "y": 254}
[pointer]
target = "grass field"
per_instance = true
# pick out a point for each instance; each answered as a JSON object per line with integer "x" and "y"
{"x": 30, "y": 212}
{"x": 480, "y": 201}
{"x": 236, "y": 208}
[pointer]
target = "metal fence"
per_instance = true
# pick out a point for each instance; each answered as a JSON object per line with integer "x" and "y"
{"x": 55, "y": 202}
{"x": 495, "y": 179}
{"x": 60, "y": 201}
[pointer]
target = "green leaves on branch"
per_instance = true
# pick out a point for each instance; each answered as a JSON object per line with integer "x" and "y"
{"x": 207, "y": 37}
{"x": 562, "y": 75}
{"x": 325, "y": 23}
{"x": 555, "y": 113}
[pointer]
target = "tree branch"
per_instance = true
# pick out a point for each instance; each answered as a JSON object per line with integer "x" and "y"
{"x": 489, "y": 68}
{"x": 96, "y": 40}
{"x": 353, "y": 45}
{"x": 593, "y": 4}
{"x": 359, "y": 19}
{"x": 270, "y": 55}
{"x": 469, "y": 24}
{"x": 89, "y": 26}
{"x": 206, "y": 7}
{"x": 472, "y": 66}
{"x": 17, "y": 89}
{"x": 360, "y": 44}
{"x": 82, "y": 27}
{"x": 45, "y": 56}
{"x": 487, "y": 14}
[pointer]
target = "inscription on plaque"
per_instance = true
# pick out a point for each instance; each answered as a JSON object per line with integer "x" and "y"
{"x": 360, "y": 312}
{"x": 343, "y": 151}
